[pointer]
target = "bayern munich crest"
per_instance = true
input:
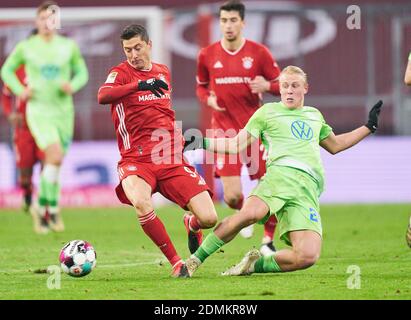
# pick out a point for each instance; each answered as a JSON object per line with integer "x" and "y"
{"x": 247, "y": 62}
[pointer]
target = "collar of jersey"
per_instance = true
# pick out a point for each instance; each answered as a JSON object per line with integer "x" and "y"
{"x": 144, "y": 70}
{"x": 233, "y": 53}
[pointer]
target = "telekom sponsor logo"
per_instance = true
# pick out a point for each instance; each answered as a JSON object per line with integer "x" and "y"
{"x": 150, "y": 97}
{"x": 232, "y": 80}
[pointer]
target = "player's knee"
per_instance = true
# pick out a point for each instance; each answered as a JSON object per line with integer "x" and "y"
{"x": 250, "y": 215}
{"x": 25, "y": 180}
{"x": 233, "y": 199}
{"x": 307, "y": 259}
{"x": 54, "y": 155}
{"x": 209, "y": 221}
{"x": 141, "y": 204}
{"x": 55, "y": 160}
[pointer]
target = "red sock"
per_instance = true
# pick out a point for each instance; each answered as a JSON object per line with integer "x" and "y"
{"x": 193, "y": 224}
{"x": 269, "y": 227}
{"x": 154, "y": 228}
{"x": 25, "y": 185}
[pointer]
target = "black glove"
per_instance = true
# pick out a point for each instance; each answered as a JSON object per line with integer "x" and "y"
{"x": 193, "y": 141}
{"x": 372, "y": 123}
{"x": 154, "y": 85}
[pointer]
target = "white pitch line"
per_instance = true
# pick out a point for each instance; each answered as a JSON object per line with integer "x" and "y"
{"x": 120, "y": 265}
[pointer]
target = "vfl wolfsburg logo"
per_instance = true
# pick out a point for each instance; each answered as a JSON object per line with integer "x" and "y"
{"x": 301, "y": 130}
{"x": 50, "y": 71}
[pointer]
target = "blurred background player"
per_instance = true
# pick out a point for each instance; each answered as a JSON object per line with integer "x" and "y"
{"x": 407, "y": 80}
{"x": 407, "y": 77}
{"x": 26, "y": 151}
{"x": 232, "y": 75}
{"x": 292, "y": 134}
{"x": 151, "y": 145}
{"x": 408, "y": 234}
{"x": 55, "y": 70}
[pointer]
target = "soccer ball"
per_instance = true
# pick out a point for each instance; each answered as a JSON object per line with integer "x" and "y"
{"x": 78, "y": 258}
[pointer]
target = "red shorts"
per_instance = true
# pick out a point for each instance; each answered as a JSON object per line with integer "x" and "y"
{"x": 27, "y": 152}
{"x": 231, "y": 164}
{"x": 177, "y": 182}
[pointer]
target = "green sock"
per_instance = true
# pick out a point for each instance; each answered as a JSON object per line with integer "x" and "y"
{"x": 266, "y": 264}
{"x": 43, "y": 192}
{"x": 54, "y": 195}
{"x": 210, "y": 245}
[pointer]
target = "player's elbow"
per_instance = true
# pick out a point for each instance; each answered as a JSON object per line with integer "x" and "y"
{"x": 407, "y": 79}
{"x": 103, "y": 98}
{"x": 333, "y": 151}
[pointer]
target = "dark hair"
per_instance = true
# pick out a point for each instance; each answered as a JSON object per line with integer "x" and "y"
{"x": 234, "y": 5}
{"x": 135, "y": 30}
{"x": 45, "y": 5}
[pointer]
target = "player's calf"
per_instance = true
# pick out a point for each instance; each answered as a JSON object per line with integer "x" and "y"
{"x": 306, "y": 260}
{"x": 195, "y": 235}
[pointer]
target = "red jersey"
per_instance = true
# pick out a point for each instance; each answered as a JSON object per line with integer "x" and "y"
{"x": 228, "y": 74}
{"x": 145, "y": 124}
{"x": 8, "y": 99}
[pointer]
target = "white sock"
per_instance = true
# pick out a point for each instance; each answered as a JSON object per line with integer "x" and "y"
{"x": 51, "y": 173}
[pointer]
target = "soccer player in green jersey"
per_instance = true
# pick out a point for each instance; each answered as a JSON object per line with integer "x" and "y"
{"x": 407, "y": 80}
{"x": 55, "y": 70}
{"x": 407, "y": 77}
{"x": 292, "y": 133}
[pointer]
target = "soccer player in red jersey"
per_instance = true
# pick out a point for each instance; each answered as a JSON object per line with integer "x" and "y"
{"x": 26, "y": 151}
{"x": 232, "y": 75}
{"x": 151, "y": 145}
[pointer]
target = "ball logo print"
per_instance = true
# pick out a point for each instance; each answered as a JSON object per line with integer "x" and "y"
{"x": 78, "y": 258}
{"x": 301, "y": 130}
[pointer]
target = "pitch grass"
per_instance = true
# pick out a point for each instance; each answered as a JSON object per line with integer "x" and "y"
{"x": 371, "y": 237}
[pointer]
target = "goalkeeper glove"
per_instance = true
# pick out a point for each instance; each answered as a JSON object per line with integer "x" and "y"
{"x": 154, "y": 85}
{"x": 194, "y": 142}
{"x": 373, "y": 115}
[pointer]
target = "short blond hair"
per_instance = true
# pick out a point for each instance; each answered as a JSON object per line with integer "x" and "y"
{"x": 295, "y": 70}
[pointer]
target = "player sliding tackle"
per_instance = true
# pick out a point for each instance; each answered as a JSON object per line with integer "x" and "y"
{"x": 292, "y": 134}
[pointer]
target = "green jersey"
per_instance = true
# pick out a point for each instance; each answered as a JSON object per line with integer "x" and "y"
{"x": 47, "y": 65}
{"x": 409, "y": 57}
{"x": 291, "y": 137}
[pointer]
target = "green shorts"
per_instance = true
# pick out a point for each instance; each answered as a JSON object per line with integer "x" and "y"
{"x": 292, "y": 195}
{"x": 49, "y": 129}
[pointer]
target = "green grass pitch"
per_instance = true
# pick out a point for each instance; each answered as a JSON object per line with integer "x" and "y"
{"x": 129, "y": 266}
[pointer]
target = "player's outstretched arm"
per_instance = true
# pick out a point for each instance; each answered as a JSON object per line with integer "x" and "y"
{"x": 337, "y": 143}
{"x": 108, "y": 94}
{"x": 220, "y": 145}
